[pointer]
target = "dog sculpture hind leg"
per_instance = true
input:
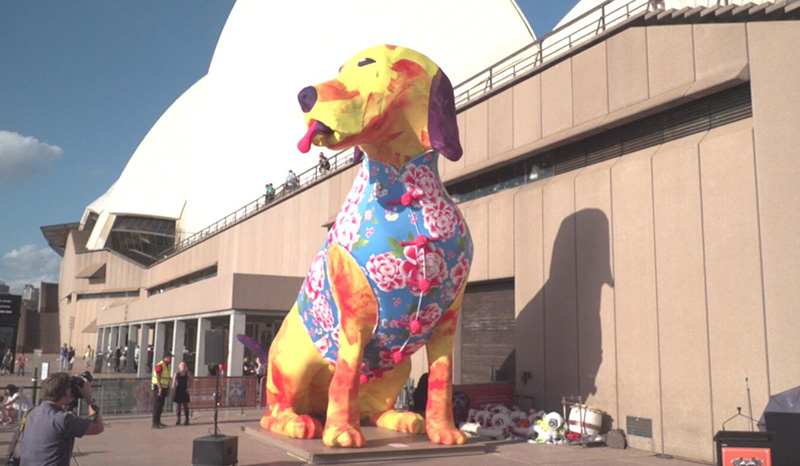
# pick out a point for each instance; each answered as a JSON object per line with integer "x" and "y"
{"x": 391, "y": 276}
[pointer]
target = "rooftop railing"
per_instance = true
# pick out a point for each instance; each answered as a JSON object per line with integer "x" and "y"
{"x": 591, "y": 23}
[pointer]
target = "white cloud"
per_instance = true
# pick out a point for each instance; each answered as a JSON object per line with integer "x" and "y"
{"x": 30, "y": 264}
{"x": 16, "y": 285}
{"x": 19, "y": 154}
{"x": 29, "y": 258}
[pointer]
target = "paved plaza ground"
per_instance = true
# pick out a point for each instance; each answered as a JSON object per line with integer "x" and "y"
{"x": 129, "y": 440}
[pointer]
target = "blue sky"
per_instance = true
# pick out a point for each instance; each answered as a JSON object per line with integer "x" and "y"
{"x": 81, "y": 83}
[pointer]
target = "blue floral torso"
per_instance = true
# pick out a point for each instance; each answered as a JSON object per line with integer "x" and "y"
{"x": 411, "y": 242}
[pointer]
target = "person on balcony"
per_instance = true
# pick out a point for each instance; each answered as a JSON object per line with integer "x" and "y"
{"x": 324, "y": 166}
{"x": 292, "y": 181}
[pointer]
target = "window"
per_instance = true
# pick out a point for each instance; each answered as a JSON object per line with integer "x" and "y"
{"x": 700, "y": 115}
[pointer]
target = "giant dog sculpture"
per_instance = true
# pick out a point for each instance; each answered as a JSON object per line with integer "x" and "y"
{"x": 392, "y": 273}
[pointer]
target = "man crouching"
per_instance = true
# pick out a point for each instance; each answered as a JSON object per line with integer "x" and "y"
{"x": 50, "y": 430}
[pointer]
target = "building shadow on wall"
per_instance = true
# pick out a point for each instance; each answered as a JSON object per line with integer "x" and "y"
{"x": 559, "y": 341}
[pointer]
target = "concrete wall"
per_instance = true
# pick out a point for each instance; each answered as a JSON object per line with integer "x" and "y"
{"x": 776, "y": 100}
{"x": 639, "y": 70}
{"x": 637, "y": 280}
{"x": 652, "y": 285}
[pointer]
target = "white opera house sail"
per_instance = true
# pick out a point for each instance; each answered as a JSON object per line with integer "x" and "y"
{"x": 236, "y": 128}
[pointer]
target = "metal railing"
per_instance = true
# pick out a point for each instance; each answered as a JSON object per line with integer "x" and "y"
{"x": 338, "y": 161}
{"x": 540, "y": 51}
{"x": 591, "y": 23}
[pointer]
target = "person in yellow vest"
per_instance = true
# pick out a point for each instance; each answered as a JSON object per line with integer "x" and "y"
{"x": 162, "y": 379}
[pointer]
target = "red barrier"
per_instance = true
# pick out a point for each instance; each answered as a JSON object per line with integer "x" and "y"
{"x": 264, "y": 391}
{"x": 488, "y": 393}
{"x": 235, "y": 392}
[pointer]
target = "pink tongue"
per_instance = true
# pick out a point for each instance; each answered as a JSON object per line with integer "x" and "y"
{"x": 304, "y": 145}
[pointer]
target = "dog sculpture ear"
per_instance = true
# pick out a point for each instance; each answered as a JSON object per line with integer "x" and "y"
{"x": 442, "y": 125}
{"x": 358, "y": 154}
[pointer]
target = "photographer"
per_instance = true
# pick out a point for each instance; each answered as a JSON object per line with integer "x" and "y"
{"x": 50, "y": 429}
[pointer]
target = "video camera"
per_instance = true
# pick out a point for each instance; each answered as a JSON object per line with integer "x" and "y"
{"x": 76, "y": 385}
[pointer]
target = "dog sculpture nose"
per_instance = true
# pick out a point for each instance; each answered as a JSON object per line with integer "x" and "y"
{"x": 307, "y": 98}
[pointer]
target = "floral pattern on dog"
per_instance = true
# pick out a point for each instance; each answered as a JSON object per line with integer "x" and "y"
{"x": 378, "y": 224}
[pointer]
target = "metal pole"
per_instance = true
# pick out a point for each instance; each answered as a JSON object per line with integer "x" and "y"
{"x": 216, "y": 405}
{"x": 749, "y": 402}
{"x": 35, "y": 381}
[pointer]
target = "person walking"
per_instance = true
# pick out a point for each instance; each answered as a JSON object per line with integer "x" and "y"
{"x": 21, "y": 365}
{"x": 180, "y": 384}
{"x": 70, "y": 357}
{"x": 6, "y": 364}
{"x": 62, "y": 357}
{"x": 323, "y": 166}
{"x": 117, "y": 356}
{"x": 292, "y": 181}
{"x": 162, "y": 379}
{"x": 270, "y": 194}
{"x": 88, "y": 356}
{"x": 261, "y": 373}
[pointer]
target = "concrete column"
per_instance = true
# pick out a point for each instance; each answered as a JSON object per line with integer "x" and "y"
{"x": 123, "y": 336}
{"x": 142, "y": 372}
{"x": 178, "y": 336}
{"x": 132, "y": 337}
{"x": 106, "y": 340}
{"x": 106, "y": 343}
{"x": 200, "y": 368}
{"x": 122, "y": 342}
{"x": 101, "y": 333}
{"x": 158, "y": 342}
{"x": 114, "y": 337}
{"x": 235, "y": 348}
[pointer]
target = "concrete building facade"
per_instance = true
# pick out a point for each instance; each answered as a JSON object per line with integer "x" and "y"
{"x": 632, "y": 202}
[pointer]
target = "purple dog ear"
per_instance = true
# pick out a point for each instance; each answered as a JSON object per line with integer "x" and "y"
{"x": 442, "y": 125}
{"x": 358, "y": 154}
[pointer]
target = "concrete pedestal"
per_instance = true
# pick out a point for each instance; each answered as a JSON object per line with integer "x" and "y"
{"x": 382, "y": 445}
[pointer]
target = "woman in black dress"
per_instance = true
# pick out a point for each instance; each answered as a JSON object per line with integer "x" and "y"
{"x": 180, "y": 386}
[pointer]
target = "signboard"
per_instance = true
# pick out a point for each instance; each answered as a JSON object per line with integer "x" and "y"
{"x": 738, "y": 456}
{"x": 10, "y": 305}
{"x": 45, "y": 370}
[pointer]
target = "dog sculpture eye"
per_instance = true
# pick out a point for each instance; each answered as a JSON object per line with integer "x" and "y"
{"x": 366, "y": 61}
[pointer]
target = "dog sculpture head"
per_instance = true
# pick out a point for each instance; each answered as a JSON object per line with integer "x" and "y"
{"x": 392, "y": 102}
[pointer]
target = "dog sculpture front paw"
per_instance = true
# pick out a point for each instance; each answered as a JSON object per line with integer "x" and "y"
{"x": 292, "y": 425}
{"x": 445, "y": 434}
{"x": 408, "y": 422}
{"x": 343, "y": 435}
